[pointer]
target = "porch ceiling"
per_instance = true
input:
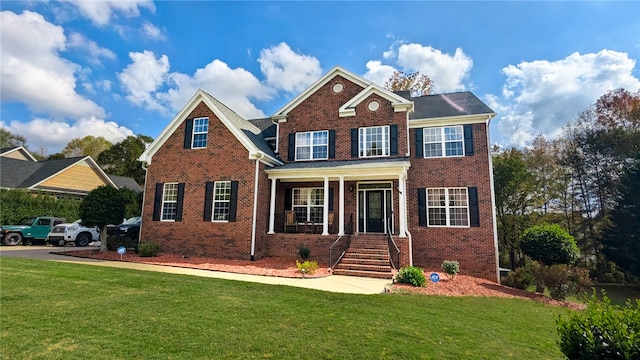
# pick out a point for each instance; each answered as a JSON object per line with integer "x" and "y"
{"x": 370, "y": 169}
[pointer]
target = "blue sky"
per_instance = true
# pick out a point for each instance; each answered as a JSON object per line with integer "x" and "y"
{"x": 118, "y": 68}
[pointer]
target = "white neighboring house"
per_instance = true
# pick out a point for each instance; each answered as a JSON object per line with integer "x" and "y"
{"x": 73, "y": 232}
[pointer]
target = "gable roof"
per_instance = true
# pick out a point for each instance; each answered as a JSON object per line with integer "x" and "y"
{"x": 398, "y": 102}
{"x": 17, "y": 152}
{"x": 447, "y": 105}
{"x": 247, "y": 133}
{"x": 125, "y": 182}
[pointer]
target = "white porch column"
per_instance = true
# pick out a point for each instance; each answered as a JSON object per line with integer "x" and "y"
{"x": 272, "y": 206}
{"x": 402, "y": 206}
{"x": 341, "y": 208}
{"x": 325, "y": 215}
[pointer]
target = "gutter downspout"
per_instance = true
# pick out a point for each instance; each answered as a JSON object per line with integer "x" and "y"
{"x": 493, "y": 202}
{"x": 144, "y": 166}
{"x": 255, "y": 208}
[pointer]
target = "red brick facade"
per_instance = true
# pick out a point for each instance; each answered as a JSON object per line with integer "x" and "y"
{"x": 226, "y": 158}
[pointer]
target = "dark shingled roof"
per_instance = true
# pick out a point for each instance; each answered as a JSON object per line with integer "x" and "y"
{"x": 4, "y": 150}
{"x": 125, "y": 182}
{"x": 266, "y": 125}
{"x": 445, "y": 105}
{"x": 48, "y": 168}
{"x": 14, "y": 172}
{"x": 336, "y": 163}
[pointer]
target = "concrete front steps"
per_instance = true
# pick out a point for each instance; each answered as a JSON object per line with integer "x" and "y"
{"x": 368, "y": 256}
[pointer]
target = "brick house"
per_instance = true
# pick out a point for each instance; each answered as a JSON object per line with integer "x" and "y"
{"x": 345, "y": 168}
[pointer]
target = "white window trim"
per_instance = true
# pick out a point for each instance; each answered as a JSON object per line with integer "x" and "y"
{"x": 308, "y": 206}
{"x": 164, "y": 191}
{"x": 213, "y": 203}
{"x": 442, "y": 142}
{"x": 448, "y": 207}
{"x": 386, "y": 141}
{"x": 311, "y": 145}
{"x": 194, "y": 133}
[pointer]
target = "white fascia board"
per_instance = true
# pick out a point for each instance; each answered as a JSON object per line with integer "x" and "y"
{"x": 398, "y": 102}
{"x": 22, "y": 150}
{"x": 358, "y": 171}
{"x": 336, "y": 70}
{"x": 91, "y": 164}
{"x": 451, "y": 120}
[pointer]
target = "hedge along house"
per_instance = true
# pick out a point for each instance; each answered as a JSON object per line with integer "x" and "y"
{"x": 366, "y": 178}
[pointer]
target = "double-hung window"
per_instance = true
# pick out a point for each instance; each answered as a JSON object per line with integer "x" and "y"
{"x": 221, "y": 200}
{"x": 374, "y": 141}
{"x": 308, "y": 204}
{"x": 447, "y": 207}
{"x": 312, "y": 145}
{"x": 200, "y": 131}
{"x": 169, "y": 201}
{"x": 443, "y": 141}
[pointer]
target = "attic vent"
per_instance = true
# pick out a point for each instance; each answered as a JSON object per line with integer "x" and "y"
{"x": 373, "y": 105}
{"x": 337, "y": 87}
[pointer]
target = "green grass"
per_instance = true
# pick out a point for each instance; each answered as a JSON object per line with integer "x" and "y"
{"x": 51, "y": 310}
{"x": 619, "y": 294}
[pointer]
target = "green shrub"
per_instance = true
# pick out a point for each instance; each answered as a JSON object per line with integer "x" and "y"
{"x": 148, "y": 249}
{"x": 519, "y": 278}
{"x": 304, "y": 252}
{"x": 549, "y": 244}
{"x": 411, "y": 275}
{"x": 602, "y": 331}
{"x": 307, "y": 267}
{"x": 451, "y": 268}
{"x": 114, "y": 242}
{"x": 561, "y": 280}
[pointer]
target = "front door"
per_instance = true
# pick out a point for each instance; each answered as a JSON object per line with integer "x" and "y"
{"x": 375, "y": 211}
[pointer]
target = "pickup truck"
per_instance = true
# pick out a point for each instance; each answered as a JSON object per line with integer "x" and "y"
{"x": 29, "y": 229}
{"x": 74, "y": 232}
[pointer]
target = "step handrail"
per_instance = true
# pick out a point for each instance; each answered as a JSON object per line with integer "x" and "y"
{"x": 395, "y": 264}
{"x": 332, "y": 264}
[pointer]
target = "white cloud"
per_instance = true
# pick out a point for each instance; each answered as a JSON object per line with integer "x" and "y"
{"x": 55, "y": 135}
{"x": 95, "y": 52}
{"x": 448, "y": 72}
{"x": 33, "y": 71}
{"x": 100, "y": 12}
{"x": 287, "y": 70}
{"x": 541, "y": 96}
{"x": 378, "y": 72}
{"x": 143, "y": 77}
{"x": 151, "y": 31}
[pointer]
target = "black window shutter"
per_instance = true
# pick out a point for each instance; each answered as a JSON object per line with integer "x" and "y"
{"x": 157, "y": 202}
{"x": 393, "y": 137}
{"x": 419, "y": 144}
{"x": 291, "y": 153}
{"x": 468, "y": 140}
{"x": 208, "y": 201}
{"x": 287, "y": 200}
{"x": 180, "y": 202}
{"x": 332, "y": 144}
{"x": 233, "y": 201}
{"x": 354, "y": 143}
{"x": 330, "y": 199}
{"x": 188, "y": 129}
{"x": 474, "y": 212}
{"x": 422, "y": 207}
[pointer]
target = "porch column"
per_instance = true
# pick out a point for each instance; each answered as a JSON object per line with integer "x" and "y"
{"x": 325, "y": 209}
{"x": 402, "y": 206}
{"x": 341, "y": 208}
{"x": 272, "y": 206}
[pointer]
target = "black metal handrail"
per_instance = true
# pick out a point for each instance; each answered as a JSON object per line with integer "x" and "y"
{"x": 394, "y": 257}
{"x": 339, "y": 247}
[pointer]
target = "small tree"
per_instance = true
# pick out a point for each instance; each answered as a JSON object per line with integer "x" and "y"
{"x": 415, "y": 83}
{"x": 103, "y": 206}
{"x": 549, "y": 244}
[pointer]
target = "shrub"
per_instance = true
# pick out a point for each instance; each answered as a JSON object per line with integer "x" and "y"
{"x": 549, "y": 244}
{"x": 148, "y": 249}
{"x": 520, "y": 278}
{"x": 411, "y": 275}
{"x": 562, "y": 280}
{"x": 602, "y": 331}
{"x": 304, "y": 252}
{"x": 307, "y": 267}
{"x": 451, "y": 268}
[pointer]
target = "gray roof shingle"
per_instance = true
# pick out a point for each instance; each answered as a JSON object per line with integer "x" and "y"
{"x": 445, "y": 105}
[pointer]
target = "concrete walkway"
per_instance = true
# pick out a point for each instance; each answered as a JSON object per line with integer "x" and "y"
{"x": 333, "y": 283}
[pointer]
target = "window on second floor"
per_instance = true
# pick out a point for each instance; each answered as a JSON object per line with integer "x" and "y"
{"x": 374, "y": 141}
{"x": 196, "y": 133}
{"x": 312, "y": 145}
{"x": 443, "y": 141}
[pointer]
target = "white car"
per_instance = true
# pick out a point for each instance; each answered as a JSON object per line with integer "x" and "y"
{"x": 74, "y": 232}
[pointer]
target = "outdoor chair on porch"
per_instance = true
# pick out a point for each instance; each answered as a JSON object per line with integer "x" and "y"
{"x": 290, "y": 223}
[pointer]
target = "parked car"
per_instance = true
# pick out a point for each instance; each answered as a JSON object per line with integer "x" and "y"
{"x": 130, "y": 228}
{"x": 74, "y": 232}
{"x": 29, "y": 229}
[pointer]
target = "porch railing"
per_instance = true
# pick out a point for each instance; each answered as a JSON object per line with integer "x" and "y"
{"x": 394, "y": 252}
{"x": 340, "y": 246}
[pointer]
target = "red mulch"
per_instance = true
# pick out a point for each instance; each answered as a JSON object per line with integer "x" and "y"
{"x": 461, "y": 285}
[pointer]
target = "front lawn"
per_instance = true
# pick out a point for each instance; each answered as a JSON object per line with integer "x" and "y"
{"x": 51, "y": 310}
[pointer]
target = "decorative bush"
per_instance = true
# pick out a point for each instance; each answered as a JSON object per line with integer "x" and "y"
{"x": 561, "y": 279}
{"x": 549, "y": 244}
{"x": 148, "y": 249}
{"x": 451, "y": 268}
{"x": 304, "y": 252}
{"x": 411, "y": 275}
{"x": 602, "y": 331}
{"x": 519, "y": 278}
{"x": 307, "y": 267}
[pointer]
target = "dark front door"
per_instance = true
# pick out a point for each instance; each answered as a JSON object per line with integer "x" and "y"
{"x": 375, "y": 211}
